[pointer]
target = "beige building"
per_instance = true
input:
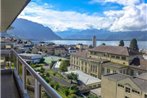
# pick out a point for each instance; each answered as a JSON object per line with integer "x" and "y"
{"x": 124, "y": 86}
{"x": 102, "y": 60}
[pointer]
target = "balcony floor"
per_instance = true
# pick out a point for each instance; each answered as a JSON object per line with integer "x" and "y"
{"x": 8, "y": 86}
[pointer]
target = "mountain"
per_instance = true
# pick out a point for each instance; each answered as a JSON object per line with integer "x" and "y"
{"x": 102, "y": 34}
{"x": 33, "y": 31}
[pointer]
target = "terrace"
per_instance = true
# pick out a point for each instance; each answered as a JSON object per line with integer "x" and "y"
{"x": 14, "y": 75}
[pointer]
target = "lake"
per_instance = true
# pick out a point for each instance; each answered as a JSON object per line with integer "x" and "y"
{"x": 141, "y": 44}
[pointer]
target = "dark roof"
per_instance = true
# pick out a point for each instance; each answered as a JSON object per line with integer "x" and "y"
{"x": 71, "y": 48}
{"x": 140, "y": 82}
{"x": 119, "y": 50}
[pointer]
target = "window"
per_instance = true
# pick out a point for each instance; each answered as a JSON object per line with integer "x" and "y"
{"x": 123, "y": 58}
{"x": 119, "y": 85}
{"x": 134, "y": 91}
{"x": 114, "y": 71}
{"x": 145, "y": 96}
{"x": 127, "y": 90}
{"x": 117, "y": 57}
{"x": 108, "y": 70}
{"x": 112, "y": 56}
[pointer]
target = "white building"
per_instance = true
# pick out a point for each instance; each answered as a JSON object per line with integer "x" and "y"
{"x": 32, "y": 58}
{"x": 71, "y": 50}
{"x": 90, "y": 81}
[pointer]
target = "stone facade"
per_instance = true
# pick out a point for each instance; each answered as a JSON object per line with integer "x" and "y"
{"x": 123, "y": 86}
{"x": 103, "y": 60}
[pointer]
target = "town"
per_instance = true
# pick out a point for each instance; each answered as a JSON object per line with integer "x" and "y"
{"x": 73, "y": 49}
{"x": 77, "y": 71}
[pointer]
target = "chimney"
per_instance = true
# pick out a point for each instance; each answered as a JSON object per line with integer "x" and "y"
{"x": 94, "y": 41}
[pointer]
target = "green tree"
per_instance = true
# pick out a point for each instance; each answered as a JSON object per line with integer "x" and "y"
{"x": 72, "y": 76}
{"x": 121, "y": 43}
{"x": 42, "y": 60}
{"x": 63, "y": 66}
{"x": 57, "y": 86}
{"x": 73, "y": 96}
{"x": 103, "y": 44}
{"x": 66, "y": 92}
{"x": 134, "y": 45}
{"x": 42, "y": 70}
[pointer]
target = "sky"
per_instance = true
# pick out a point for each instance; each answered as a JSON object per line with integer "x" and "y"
{"x": 111, "y": 15}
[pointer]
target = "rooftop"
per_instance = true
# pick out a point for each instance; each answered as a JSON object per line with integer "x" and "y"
{"x": 29, "y": 54}
{"x": 114, "y": 65}
{"x": 82, "y": 53}
{"x": 140, "y": 81}
{"x": 85, "y": 78}
{"x": 119, "y": 50}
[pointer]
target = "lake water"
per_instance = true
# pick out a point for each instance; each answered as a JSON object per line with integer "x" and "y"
{"x": 141, "y": 44}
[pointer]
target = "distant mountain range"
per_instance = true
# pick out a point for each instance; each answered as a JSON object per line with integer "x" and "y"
{"x": 102, "y": 34}
{"x": 33, "y": 31}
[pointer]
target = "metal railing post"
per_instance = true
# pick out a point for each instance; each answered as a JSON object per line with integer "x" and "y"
{"x": 37, "y": 89}
{"x": 17, "y": 64}
{"x": 9, "y": 64}
{"x": 23, "y": 76}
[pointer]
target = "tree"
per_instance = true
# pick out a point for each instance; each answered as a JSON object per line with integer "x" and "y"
{"x": 42, "y": 60}
{"x": 64, "y": 64}
{"x": 66, "y": 92}
{"x": 72, "y": 76}
{"x": 103, "y": 44}
{"x": 57, "y": 86}
{"x": 121, "y": 43}
{"x": 134, "y": 45}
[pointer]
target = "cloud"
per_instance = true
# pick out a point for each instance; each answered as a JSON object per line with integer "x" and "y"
{"x": 62, "y": 20}
{"x": 130, "y": 18}
{"x": 121, "y": 2}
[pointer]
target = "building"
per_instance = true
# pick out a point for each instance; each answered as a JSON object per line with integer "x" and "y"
{"x": 82, "y": 46}
{"x": 71, "y": 50}
{"x": 87, "y": 82}
{"x": 124, "y": 86}
{"x": 13, "y": 80}
{"x": 103, "y": 60}
{"x": 31, "y": 58}
{"x": 94, "y": 41}
{"x": 60, "y": 51}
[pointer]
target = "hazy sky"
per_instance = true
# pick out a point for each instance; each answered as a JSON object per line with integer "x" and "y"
{"x": 113, "y": 15}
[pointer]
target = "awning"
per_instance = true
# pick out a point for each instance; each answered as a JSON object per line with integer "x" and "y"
{"x": 9, "y": 10}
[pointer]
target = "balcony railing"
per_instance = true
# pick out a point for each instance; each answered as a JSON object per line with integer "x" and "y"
{"x": 40, "y": 83}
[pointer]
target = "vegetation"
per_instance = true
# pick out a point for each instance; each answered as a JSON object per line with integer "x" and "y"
{"x": 121, "y": 43}
{"x": 134, "y": 45}
{"x": 92, "y": 96}
{"x": 42, "y": 60}
{"x": 103, "y": 44}
{"x": 64, "y": 91}
{"x": 72, "y": 77}
{"x": 64, "y": 64}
